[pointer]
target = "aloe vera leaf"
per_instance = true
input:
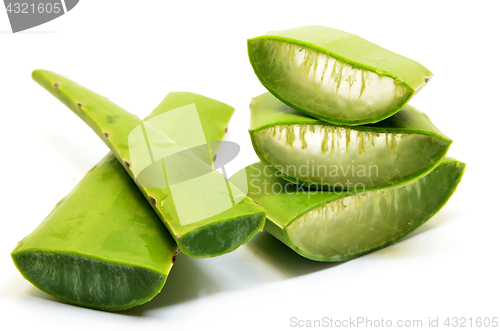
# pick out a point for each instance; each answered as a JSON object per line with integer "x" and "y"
{"x": 224, "y": 217}
{"x": 214, "y": 115}
{"x": 334, "y": 75}
{"x": 329, "y": 226}
{"x": 317, "y": 154}
{"x": 103, "y": 246}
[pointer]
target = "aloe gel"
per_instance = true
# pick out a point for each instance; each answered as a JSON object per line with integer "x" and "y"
{"x": 103, "y": 246}
{"x": 329, "y": 226}
{"x": 205, "y": 214}
{"x": 334, "y": 75}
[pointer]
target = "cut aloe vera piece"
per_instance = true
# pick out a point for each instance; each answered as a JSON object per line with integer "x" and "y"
{"x": 203, "y": 211}
{"x": 103, "y": 246}
{"x": 334, "y": 75}
{"x": 317, "y": 154}
{"x": 329, "y": 226}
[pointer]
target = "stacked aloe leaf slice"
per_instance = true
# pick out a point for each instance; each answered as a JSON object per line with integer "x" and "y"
{"x": 347, "y": 166}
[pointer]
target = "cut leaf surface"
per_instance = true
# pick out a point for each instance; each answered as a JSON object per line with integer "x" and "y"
{"x": 334, "y": 75}
{"x": 318, "y": 154}
{"x": 328, "y": 226}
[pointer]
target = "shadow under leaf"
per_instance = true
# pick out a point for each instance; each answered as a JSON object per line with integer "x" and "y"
{"x": 284, "y": 258}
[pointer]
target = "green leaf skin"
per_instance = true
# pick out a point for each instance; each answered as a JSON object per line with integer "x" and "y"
{"x": 103, "y": 246}
{"x": 211, "y": 236}
{"x": 332, "y": 227}
{"x": 334, "y": 75}
{"x": 214, "y": 115}
{"x": 321, "y": 155}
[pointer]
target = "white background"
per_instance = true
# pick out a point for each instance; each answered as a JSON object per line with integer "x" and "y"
{"x": 135, "y": 52}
